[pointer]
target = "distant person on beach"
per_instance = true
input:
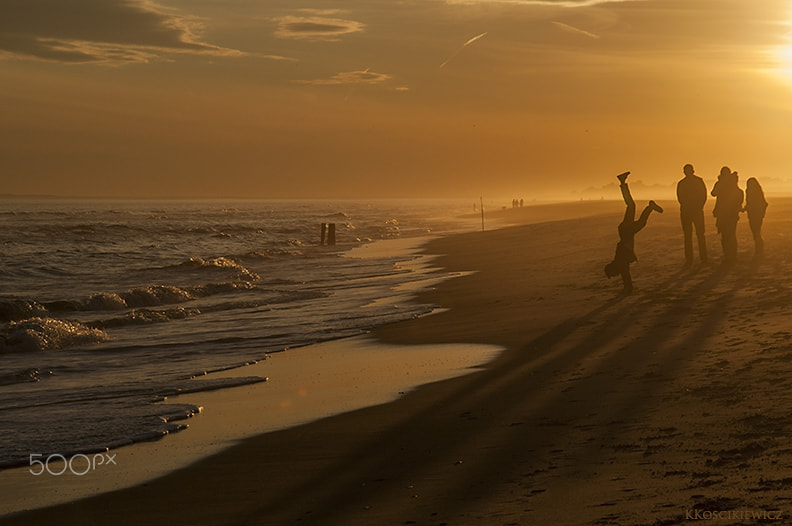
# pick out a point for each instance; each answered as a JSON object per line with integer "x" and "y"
{"x": 755, "y": 206}
{"x": 625, "y": 248}
{"x": 692, "y": 195}
{"x": 728, "y": 204}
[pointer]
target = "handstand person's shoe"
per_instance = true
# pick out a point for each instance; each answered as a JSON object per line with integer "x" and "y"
{"x": 622, "y": 177}
{"x": 654, "y": 206}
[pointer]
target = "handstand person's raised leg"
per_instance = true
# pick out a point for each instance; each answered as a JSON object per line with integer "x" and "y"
{"x": 629, "y": 213}
{"x": 651, "y": 207}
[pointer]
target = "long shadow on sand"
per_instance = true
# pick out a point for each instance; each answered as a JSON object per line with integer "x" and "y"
{"x": 489, "y": 429}
{"x": 509, "y": 415}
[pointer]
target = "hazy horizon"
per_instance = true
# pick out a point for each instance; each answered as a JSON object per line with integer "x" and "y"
{"x": 536, "y": 99}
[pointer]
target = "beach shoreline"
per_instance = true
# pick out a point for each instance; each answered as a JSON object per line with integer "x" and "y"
{"x": 152, "y": 459}
{"x": 300, "y": 385}
{"x": 627, "y": 407}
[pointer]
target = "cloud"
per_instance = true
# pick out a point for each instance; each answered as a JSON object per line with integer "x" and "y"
{"x": 98, "y": 31}
{"x": 316, "y": 28}
{"x": 349, "y": 77}
{"x": 576, "y": 30}
{"x": 321, "y": 12}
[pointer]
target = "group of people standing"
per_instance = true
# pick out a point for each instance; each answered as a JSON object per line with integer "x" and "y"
{"x": 730, "y": 201}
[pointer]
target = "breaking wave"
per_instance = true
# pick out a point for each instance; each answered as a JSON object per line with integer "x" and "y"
{"x": 137, "y": 298}
{"x": 42, "y": 334}
{"x": 221, "y": 263}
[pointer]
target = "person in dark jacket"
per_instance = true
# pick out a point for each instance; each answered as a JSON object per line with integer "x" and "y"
{"x": 692, "y": 195}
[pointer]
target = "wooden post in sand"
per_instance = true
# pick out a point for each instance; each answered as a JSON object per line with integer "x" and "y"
{"x": 482, "y": 213}
{"x": 323, "y": 230}
{"x": 331, "y": 234}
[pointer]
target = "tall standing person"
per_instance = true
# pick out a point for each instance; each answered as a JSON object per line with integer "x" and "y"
{"x": 692, "y": 195}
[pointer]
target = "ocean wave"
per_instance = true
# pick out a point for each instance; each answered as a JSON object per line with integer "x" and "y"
{"x": 390, "y": 229}
{"x": 44, "y": 334}
{"x": 221, "y": 263}
{"x": 229, "y": 230}
{"x": 155, "y": 295}
{"x": 150, "y": 296}
{"x": 16, "y": 309}
{"x": 24, "y": 376}
{"x": 274, "y": 253}
{"x": 211, "y": 289}
{"x": 149, "y": 316}
{"x": 104, "y": 301}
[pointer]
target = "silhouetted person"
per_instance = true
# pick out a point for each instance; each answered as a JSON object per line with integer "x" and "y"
{"x": 692, "y": 194}
{"x": 728, "y": 204}
{"x": 755, "y": 206}
{"x": 625, "y": 248}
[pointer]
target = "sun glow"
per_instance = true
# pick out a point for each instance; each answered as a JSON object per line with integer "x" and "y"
{"x": 784, "y": 57}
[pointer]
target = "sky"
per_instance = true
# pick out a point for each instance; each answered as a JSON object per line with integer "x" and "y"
{"x": 536, "y": 99}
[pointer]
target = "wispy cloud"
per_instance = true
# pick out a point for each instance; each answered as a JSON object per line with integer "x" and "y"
{"x": 576, "y": 30}
{"x": 98, "y": 31}
{"x": 321, "y": 12}
{"x": 316, "y": 27}
{"x": 463, "y": 46}
{"x": 349, "y": 77}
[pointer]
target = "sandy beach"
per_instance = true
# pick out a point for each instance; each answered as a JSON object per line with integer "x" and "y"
{"x": 663, "y": 407}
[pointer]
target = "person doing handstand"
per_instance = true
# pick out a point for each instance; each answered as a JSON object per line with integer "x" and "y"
{"x": 625, "y": 248}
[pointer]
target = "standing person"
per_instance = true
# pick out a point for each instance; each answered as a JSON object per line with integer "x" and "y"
{"x": 625, "y": 248}
{"x": 692, "y": 195}
{"x": 755, "y": 206}
{"x": 728, "y": 204}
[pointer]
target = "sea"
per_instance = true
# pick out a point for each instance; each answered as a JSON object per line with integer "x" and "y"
{"x": 108, "y": 306}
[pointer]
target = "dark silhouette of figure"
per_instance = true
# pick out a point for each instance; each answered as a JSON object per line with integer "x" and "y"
{"x": 728, "y": 204}
{"x": 692, "y": 195}
{"x": 625, "y": 248}
{"x": 755, "y": 206}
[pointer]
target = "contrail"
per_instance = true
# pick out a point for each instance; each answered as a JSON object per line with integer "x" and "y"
{"x": 474, "y": 39}
{"x": 458, "y": 51}
{"x": 573, "y": 29}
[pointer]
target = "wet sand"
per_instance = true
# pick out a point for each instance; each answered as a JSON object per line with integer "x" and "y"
{"x": 303, "y": 385}
{"x": 669, "y": 405}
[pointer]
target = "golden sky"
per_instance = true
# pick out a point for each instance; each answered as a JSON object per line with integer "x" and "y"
{"x": 407, "y": 98}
